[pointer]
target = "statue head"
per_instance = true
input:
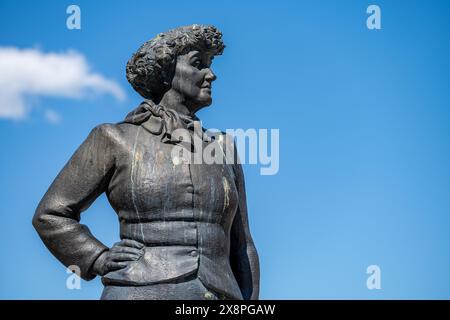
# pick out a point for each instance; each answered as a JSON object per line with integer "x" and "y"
{"x": 178, "y": 60}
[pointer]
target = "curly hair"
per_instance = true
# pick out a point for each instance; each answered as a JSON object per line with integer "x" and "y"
{"x": 151, "y": 69}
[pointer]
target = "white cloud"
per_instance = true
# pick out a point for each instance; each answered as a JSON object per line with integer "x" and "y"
{"x": 27, "y": 73}
{"x": 52, "y": 116}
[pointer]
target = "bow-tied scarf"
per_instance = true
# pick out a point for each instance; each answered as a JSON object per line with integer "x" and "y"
{"x": 163, "y": 121}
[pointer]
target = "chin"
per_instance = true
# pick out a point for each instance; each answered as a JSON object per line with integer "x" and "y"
{"x": 208, "y": 103}
{"x": 205, "y": 101}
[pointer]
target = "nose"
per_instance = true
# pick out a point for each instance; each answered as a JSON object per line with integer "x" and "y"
{"x": 210, "y": 76}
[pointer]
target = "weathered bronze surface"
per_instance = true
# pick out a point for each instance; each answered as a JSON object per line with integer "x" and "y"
{"x": 183, "y": 226}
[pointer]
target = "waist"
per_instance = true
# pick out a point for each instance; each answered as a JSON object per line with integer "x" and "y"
{"x": 179, "y": 214}
{"x": 174, "y": 233}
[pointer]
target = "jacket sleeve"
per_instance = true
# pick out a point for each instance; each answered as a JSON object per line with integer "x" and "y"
{"x": 81, "y": 181}
{"x": 243, "y": 255}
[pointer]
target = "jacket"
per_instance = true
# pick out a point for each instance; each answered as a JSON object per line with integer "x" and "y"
{"x": 192, "y": 218}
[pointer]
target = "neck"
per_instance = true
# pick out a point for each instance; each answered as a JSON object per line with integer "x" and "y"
{"x": 175, "y": 101}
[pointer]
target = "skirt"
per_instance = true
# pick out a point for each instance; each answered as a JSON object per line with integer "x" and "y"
{"x": 186, "y": 289}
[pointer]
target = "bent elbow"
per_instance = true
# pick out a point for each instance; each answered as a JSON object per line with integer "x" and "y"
{"x": 43, "y": 217}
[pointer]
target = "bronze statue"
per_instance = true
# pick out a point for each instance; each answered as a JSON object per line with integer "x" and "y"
{"x": 183, "y": 226}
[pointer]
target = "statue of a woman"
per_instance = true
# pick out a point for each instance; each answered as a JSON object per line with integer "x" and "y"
{"x": 183, "y": 225}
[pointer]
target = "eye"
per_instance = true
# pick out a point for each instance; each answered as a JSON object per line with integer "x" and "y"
{"x": 197, "y": 63}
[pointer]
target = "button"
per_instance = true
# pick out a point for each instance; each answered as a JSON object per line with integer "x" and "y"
{"x": 190, "y": 189}
{"x": 209, "y": 295}
{"x": 176, "y": 160}
{"x": 193, "y": 253}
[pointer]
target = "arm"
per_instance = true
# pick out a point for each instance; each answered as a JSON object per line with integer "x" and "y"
{"x": 243, "y": 256}
{"x": 81, "y": 181}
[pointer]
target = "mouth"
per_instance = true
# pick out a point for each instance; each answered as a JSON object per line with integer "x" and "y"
{"x": 206, "y": 86}
{"x": 206, "y": 90}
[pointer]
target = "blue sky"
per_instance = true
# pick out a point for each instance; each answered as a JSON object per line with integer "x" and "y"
{"x": 364, "y": 120}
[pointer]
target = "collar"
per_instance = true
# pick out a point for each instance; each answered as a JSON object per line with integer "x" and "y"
{"x": 160, "y": 120}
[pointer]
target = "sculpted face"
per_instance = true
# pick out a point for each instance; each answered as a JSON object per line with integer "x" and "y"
{"x": 193, "y": 78}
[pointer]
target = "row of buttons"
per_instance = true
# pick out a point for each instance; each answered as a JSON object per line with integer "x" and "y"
{"x": 194, "y": 253}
